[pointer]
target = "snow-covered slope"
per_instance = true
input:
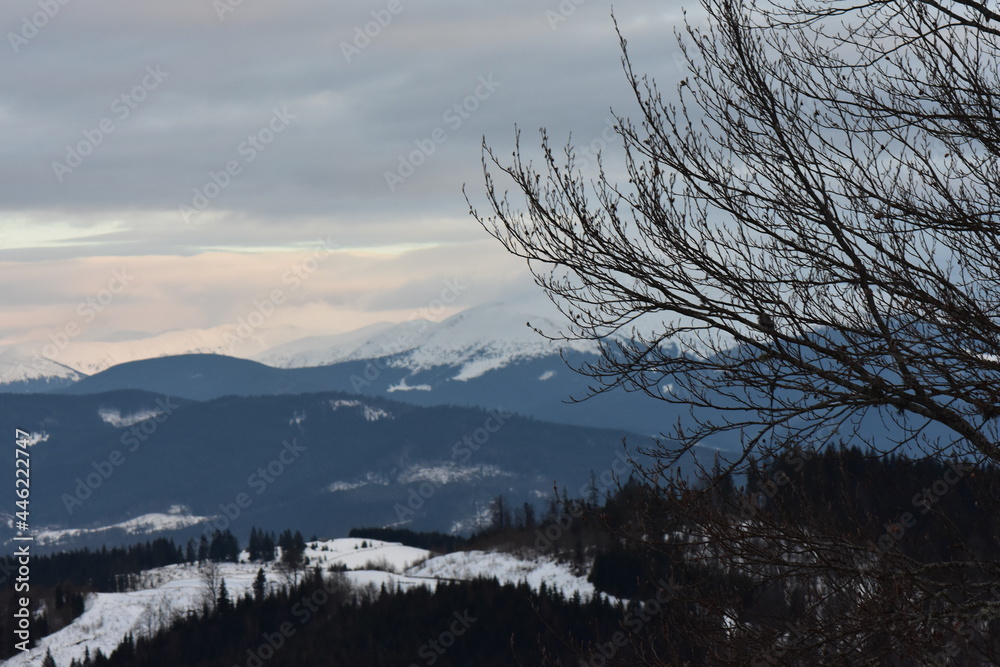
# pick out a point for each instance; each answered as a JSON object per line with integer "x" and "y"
{"x": 360, "y": 554}
{"x": 507, "y": 568}
{"x": 109, "y": 617}
{"x": 176, "y": 589}
{"x": 25, "y": 363}
{"x": 176, "y": 518}
{"x": 476, "y": 340}
{"x": 376, "y": 340}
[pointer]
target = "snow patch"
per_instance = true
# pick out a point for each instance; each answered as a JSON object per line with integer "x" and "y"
{"x": 374, "y": 414}
{"x": 113, "y": 416}
{"x": 389, "y": 556}
{"x": 478, "y": 367}
{"x": 368, "y": 412}
{"x": 448, "y": 473}
{"x": 402, "y": 386}
{"x": 370, "y": 479}
{"x": 176, "y": 519}
{"x": 477, "y": 521}
{"x": 34, "y": 438}
{"x": 508, "y": 569}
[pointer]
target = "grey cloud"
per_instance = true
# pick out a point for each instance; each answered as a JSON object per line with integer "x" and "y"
{"x": 353, "y": 120}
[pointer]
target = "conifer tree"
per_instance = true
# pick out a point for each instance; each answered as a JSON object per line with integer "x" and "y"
{"x": 259, "y": 585}
{"x": 223, "y": 603}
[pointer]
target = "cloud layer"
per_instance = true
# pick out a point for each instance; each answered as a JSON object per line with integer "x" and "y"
{"x": 207, "y": 145}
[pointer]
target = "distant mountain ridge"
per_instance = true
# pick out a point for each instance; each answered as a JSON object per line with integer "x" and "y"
{"x": 495, "y": 332}
{"x": 540, "y": 387}
{"x": 199, "y": 377}
{"x": 476, "y": 341}
{"x": 485, "y": 356}
{"x": 44, "y": 358}
{"x": 321, "y": 462}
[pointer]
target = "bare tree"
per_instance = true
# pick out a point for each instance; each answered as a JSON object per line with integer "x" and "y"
{"x": 157, "y": 614}
{"x": 813, "y": 216}
{"x": 776, "y": 581}
{"x": 210, "y": 578}
{"x": 809, "y": 237}
{"x": 292, "y": 566}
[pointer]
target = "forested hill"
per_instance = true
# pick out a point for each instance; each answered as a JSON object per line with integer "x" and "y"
{"x": 856, "y": 517}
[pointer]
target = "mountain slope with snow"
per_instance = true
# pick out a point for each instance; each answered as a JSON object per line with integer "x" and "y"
{"x": 485, "y": 356}
{"x": 476, "y": 340}
{"x": 24, "y": 368}
{"x": 173, "y": 519}
{"x": 174, "y": 590}
{"x": 507, "y": 568}
{"x": 177, "y": 589}
{"x": 334, "y": 461}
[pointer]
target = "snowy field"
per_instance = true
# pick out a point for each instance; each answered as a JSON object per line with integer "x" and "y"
{"x": 508, "y": 569}
{"x": 174, "y": 590}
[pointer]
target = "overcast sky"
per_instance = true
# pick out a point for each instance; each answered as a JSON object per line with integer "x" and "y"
{"x": 211, "y": 149}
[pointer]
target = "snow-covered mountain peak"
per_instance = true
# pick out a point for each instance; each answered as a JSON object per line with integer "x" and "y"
{"x": 476, "y": 340}
{"x": 19, "y": 363}
{"x": 473, "y": 341}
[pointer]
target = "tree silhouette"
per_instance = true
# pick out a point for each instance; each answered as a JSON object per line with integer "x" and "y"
{"x": 805, "y": 255}
{"x": 223, "y": 603}
{"x": 808, "y": 235}
{"x": 260, "y": 585}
